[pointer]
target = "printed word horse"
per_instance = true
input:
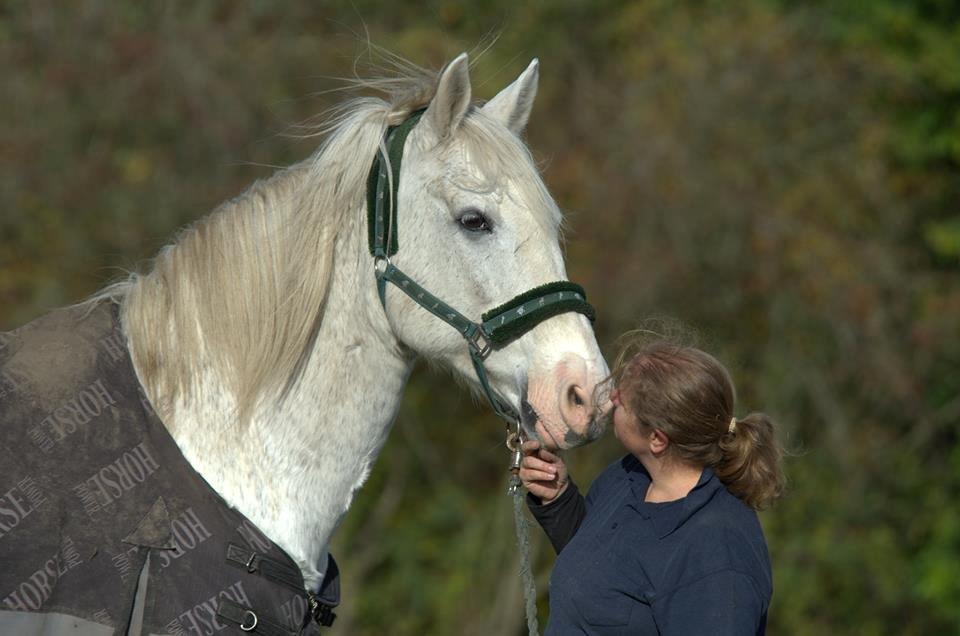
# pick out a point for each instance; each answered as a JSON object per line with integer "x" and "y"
{"x": 177, "y": 451}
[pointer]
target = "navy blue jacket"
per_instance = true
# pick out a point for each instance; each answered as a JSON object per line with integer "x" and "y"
{"x": 698, "y": 565}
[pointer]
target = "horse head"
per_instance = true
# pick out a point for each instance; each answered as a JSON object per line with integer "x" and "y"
{"x": 477, "y": 227}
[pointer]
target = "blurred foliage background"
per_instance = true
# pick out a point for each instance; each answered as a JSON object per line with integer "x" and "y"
{"x": 782, "y": 176}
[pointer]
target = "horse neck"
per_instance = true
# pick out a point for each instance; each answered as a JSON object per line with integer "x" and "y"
{"x": 294, "y": 467}
{"x": 325, "y": 436}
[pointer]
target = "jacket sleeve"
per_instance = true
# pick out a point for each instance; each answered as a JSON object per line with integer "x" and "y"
{"x": 561, "y": 518}
{"x": 725, "y": 603}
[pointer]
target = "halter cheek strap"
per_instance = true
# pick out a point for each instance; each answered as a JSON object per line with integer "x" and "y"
{"x": 501, "y": 325}
{"x": 381, "y": 197}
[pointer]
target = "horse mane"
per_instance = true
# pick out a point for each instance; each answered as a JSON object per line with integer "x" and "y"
{"x": 244, "y": 288}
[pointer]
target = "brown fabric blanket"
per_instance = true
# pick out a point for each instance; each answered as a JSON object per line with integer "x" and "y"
{"x": 104, "y": 526}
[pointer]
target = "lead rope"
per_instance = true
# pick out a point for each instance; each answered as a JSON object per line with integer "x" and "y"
{"x": 514, "y": 442}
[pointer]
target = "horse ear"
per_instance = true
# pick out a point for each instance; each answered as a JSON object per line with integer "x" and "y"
{"x": 449, "y": 106}
{"x": 513, "y": 104}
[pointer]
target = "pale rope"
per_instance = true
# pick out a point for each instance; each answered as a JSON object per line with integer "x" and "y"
{"x": 523, "y": 545}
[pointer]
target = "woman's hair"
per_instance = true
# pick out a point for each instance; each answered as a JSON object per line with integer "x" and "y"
{"x": 688, "y": 394}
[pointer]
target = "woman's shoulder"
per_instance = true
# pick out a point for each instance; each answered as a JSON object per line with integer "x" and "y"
{"x": 726, "y": 535}
{"x": 728, "y": 517}
{"x": 731, "y": 509}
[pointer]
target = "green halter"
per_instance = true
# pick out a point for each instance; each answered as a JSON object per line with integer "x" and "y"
{"x": 499, "y": 326}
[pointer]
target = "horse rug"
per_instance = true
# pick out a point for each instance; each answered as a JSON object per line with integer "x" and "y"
{"x": 105, "y": 528}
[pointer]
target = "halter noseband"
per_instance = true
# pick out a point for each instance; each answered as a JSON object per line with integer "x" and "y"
{"x": 499, "y": 326}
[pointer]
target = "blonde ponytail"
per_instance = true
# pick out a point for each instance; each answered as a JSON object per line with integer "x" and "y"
{"x": 750, "y": 463}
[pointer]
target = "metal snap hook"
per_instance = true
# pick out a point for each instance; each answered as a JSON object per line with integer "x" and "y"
{"x": 514, "y": 444}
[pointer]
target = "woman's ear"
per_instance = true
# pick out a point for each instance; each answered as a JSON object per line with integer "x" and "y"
{"x": 658, "y": 442}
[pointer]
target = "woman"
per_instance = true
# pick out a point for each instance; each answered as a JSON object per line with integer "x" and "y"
{"x": 667, "y": 540}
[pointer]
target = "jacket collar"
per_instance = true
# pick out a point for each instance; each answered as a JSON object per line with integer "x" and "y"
{"x": 667, "y": 517}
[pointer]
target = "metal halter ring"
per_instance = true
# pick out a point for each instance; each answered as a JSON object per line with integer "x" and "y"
{"x": 252, "y": 626}
{"x": 380, "y": 265}
{"x": 480, "y": 343}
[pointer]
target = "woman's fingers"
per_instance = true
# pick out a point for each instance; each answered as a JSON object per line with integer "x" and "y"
{"x": 542, "y": 472}
{"x": 533, "y": 466}
{"x": 533, "y": 469}
{"x": 536, "y": 463}
{"x": 531, "y": 475}
{"x": 548, "y": 456}
{"x": 532, "y": 446}
{"x": 542, "y": 492}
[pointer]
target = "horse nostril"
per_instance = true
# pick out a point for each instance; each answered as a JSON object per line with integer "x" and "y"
{"x": 574, "y": 396}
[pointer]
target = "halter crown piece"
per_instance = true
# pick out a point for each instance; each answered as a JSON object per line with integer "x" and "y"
{"x": 497, "y": 327}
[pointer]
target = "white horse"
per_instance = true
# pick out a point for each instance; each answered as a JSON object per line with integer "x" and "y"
{"x": 260, "y": 339}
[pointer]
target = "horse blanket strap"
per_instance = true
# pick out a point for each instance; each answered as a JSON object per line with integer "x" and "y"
{"x": 321, "y": 612}
{"x": 104, "y": 526}
{"x": 256, "y": 563}
{"x": 499, "y": 326}
{"x": 321, "y": 605}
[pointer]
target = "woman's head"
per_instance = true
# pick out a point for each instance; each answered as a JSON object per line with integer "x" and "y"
{"x": 688, "y": 395}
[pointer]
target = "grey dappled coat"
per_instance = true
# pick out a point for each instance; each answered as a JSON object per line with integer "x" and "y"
{"x": 104, "y": 526}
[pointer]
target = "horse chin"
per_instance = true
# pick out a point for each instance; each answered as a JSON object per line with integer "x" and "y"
{"x": 546, "y": 437}
{"x": 570, "y": 438}
{"x": 592, "y": 432}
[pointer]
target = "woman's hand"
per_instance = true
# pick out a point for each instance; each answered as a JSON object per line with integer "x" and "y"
{"x": 543, "y": 473}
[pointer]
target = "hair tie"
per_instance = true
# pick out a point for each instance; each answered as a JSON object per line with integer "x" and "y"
{"x": 733, "y": 426}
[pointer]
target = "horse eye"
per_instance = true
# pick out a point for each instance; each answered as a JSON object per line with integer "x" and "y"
{"x": 474, "y": 221}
